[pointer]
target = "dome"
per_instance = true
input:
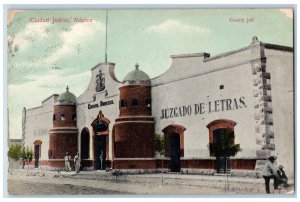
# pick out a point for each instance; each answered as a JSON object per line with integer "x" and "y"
{"x": 137, "y": 76}
{"x": 66, "y": 98}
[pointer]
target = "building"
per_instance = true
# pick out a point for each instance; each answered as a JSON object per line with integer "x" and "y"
{"x": 248, "y": 92}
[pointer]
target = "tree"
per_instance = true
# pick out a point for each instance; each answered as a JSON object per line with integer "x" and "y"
{"x": 14, "y": 152}
{"x": 159, "y": 144}
{"x": 27, "y": 154}
{"x": 224, "y": 146}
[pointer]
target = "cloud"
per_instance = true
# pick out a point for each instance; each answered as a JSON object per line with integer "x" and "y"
{"x": 11, "y": 14}
{"x": 25, "y": 94}
{"x": 288, "y": 12}
{"x": 175, "y": 26}
{"x": 80, "y": 32}
{"x": 31, "y": 32}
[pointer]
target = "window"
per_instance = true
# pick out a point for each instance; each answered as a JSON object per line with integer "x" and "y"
{"x": 148, "y": 102}
{"x": 221, "y": 87}
{"x": 62, "y": 116}
{"x": 54, "y": 118}
{"x": 74, "y": 117}
{"x": 134, "y": 103}
{"x": 122, "y": 103}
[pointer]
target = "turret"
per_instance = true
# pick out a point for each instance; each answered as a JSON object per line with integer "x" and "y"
{"x": 63, "y": 135}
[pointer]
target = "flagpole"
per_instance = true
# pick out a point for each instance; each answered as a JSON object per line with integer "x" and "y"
{"x": 106, "y": 36}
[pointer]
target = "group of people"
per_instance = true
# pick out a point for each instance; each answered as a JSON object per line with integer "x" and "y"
{"x": 76, "y": 162}
{"x": 270, "y": 172}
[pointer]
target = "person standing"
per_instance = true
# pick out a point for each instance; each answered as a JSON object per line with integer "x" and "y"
{"x": 282, "y": 178}
{"x": 269, "y": 172}
{"x": 77, "y": 162}
{"x": 67, "y": 162}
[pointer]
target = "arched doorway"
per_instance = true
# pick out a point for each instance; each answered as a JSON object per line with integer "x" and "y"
{"x": 100, "y": 141}
{"x": 85, "y": 143}
{"x": 37, "y": 152}
{"x": 221, "y": 134}
{"x": 174, "y": 145}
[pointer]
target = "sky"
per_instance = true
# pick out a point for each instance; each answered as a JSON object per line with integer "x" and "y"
{"x": 45, "y": 57}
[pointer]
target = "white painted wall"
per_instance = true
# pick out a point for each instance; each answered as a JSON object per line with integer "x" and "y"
{"x": 38, "y": 124}
{"x": 86, "y": 116}
{"x": 201, "y": 87}
{"x": 280, "y": 65}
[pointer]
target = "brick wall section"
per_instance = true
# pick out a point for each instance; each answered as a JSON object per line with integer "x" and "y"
{"x": 201, "y": 164}
{"x": 55, "y": 164}
{"x": 236, "y": 164}
{"x": 60, "y": 143}
{"x": 139, "y": 164}
{"x": 68, "y": 111}
{"x": 133, "y": 134}
{"x": 139, "y": 92}
{"x": 134, "y": 140}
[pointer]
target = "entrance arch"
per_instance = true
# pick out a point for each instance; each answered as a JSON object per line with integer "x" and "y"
{"x": 100, "y": 141}
{"x": 85, "y": 143}
{"x": 174, "y": 145}
{"x": 220, "y": 130}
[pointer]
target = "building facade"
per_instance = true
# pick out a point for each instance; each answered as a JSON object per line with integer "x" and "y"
{"x": 247, "y": 92}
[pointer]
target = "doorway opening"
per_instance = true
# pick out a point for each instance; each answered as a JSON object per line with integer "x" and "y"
{"x": 100, "y": 141}
{"x": 85, "y": 143}
{"x": 174, "y": 145}
{"x": 37, "y": 152}
{"x": 175, "y": 152}
{"x": 99, "y": 152}
{"x": 221, "y": 139}
{"x": 37, "y": 155}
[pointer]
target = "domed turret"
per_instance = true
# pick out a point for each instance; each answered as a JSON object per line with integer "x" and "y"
{"x": 137, "y": 77}
{"x": 66, "y": 98}
{"x": 134, "y": 129}
{"x": 64, "y": 134}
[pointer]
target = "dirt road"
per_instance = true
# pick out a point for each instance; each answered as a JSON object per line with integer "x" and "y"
{"x": 35, "y": 185}
{"x": 93, "y": 183}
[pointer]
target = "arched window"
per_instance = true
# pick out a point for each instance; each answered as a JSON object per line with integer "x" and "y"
{"x": 62, "y": 116}
{"x": 134, "y": 102}
{"x": 122, "y": 103}
{"x": 148, "y": 102}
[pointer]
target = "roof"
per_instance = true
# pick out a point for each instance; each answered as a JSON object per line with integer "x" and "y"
{"x": 137, "y": 76}
{"x": 66, "y": 98}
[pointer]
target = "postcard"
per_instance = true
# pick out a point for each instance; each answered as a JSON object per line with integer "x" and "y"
{"x": 150, "y": 101}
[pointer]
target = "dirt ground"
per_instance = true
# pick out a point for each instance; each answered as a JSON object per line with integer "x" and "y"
{"x": 27, "y": 185}
{"x": 35, "y": 185}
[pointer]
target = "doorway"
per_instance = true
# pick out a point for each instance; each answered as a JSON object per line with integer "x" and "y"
{"x": 85, "y": 144}
{"x": 37, "y": 155}
{"x": 100, "y": 152}
{"x": 220, "y": 136}
{"x": 175, "y": 152}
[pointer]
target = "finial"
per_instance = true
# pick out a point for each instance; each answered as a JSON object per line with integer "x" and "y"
{"x": 67, "y": 88}
{"x": 136, "y": 66}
